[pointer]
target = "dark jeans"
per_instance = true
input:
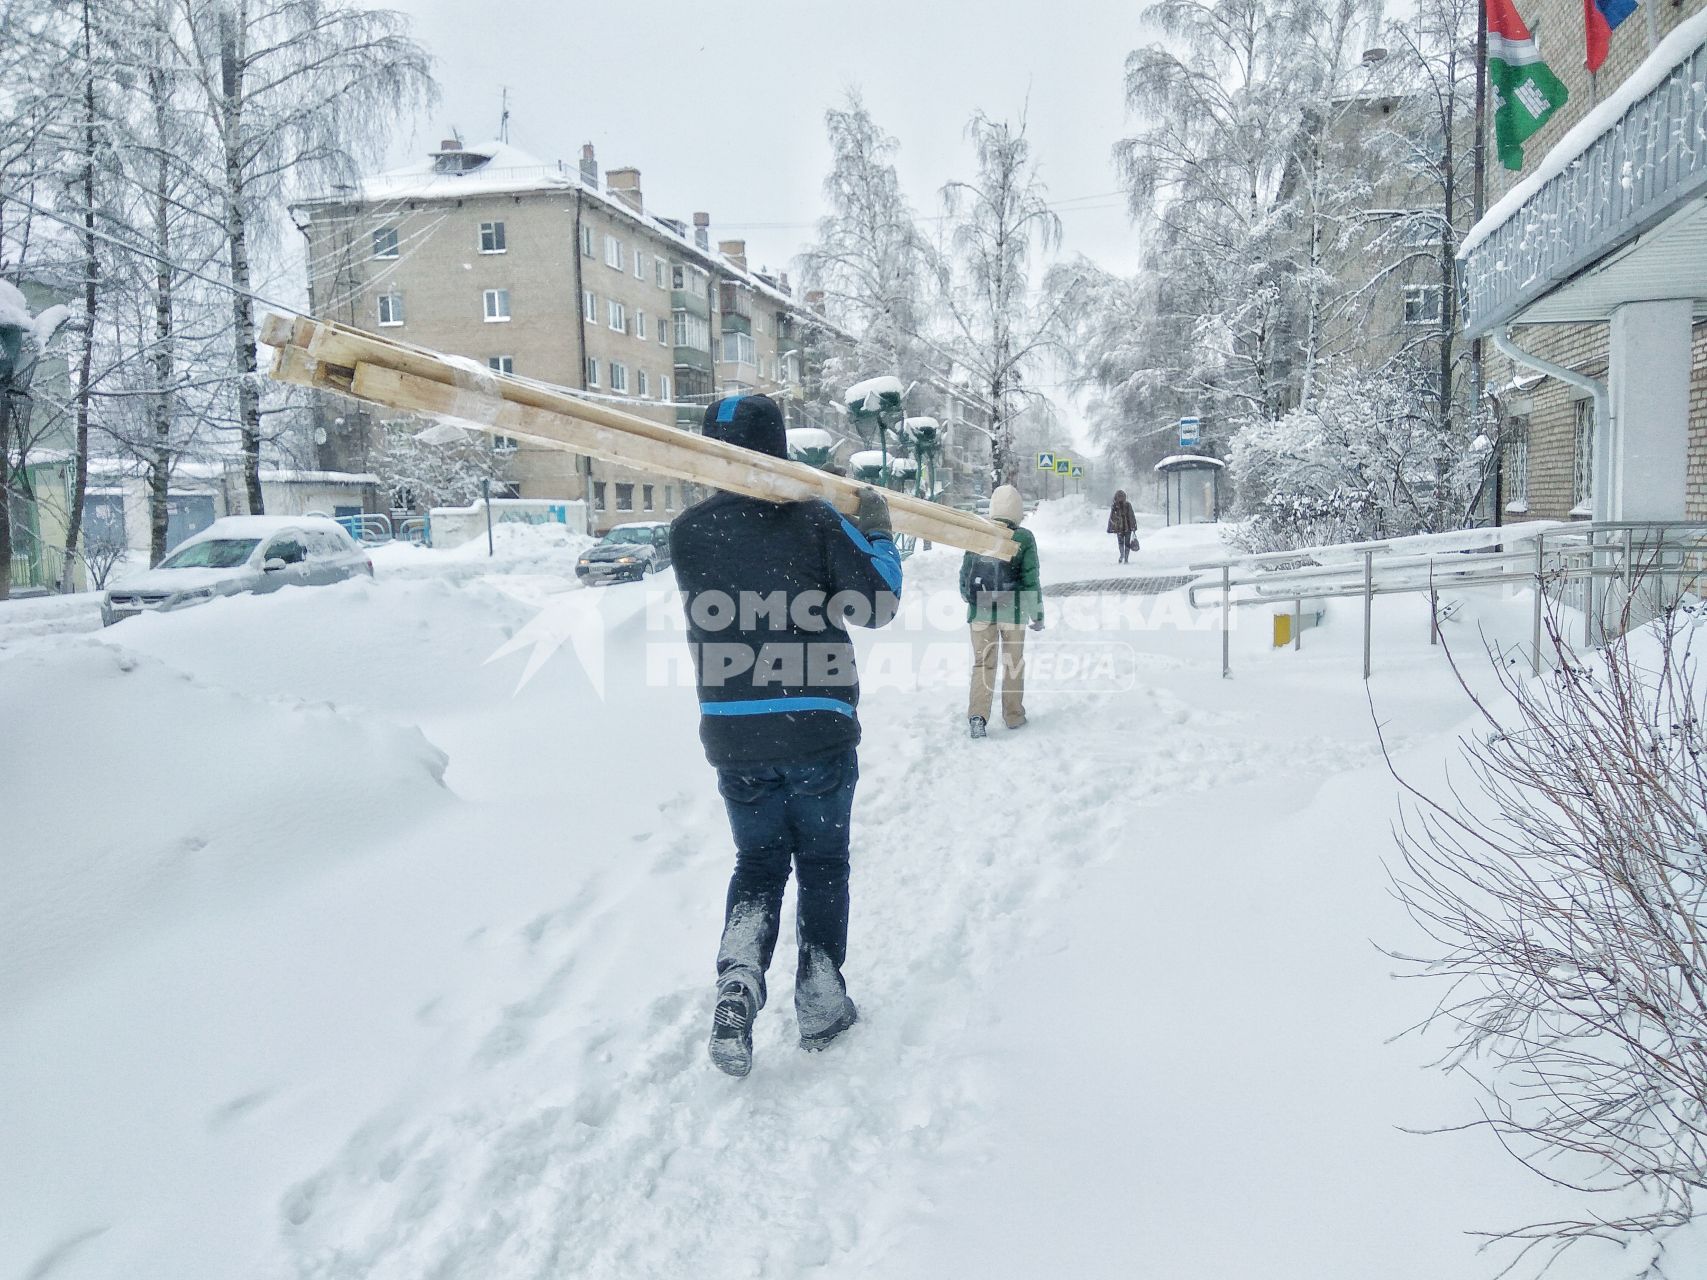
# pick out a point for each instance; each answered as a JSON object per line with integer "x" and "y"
{"x": 1125, "y": 541}
{"x": 783, "y": 814}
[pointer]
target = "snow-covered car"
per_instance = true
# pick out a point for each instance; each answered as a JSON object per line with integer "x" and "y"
{"x": 627, "y": 553}
{"x": 240, "y": 554}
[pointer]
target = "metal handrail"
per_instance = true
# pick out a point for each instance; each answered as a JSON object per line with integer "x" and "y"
{"x": 1589, "y": 553}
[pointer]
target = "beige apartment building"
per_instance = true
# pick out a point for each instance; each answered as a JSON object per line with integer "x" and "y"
{"x": 486, "y": 252}
{"x": 1592, "y": 263}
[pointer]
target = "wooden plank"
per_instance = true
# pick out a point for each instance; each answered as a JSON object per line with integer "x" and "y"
{"x": 714, "y": 463}
{"x": 413, "y": 379}
{"x": 338, "y": 345}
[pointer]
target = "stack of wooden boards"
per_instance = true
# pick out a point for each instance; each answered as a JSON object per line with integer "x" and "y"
{"x": 395, "y": 375}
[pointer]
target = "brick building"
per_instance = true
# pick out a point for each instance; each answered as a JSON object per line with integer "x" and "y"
{"x": 1591, "y": 264}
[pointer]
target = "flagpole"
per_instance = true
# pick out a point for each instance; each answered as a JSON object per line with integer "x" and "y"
{"x": 1478, "y": 206}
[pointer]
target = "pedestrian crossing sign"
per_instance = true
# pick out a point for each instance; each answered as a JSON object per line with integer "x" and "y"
{"x": 1046, "y": 462}
{"x": 1063, "y": 466}
{"x": 1077, "y": 472}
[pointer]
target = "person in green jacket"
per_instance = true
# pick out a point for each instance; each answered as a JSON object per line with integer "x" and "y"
{"x": 1001, "y": 598}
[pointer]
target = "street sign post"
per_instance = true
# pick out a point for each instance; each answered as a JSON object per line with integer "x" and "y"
{"x": 1063, "y": 466}
{"x": 1046, "y": 462}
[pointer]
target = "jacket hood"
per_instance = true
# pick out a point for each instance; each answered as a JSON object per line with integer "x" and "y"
{"x": 753, "y": 422}
{"x": 1120, "y": 495}
{"x": 1006, "y": 504}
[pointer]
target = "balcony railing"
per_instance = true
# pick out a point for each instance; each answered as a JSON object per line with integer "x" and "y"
{"x": 1644, "y": 167}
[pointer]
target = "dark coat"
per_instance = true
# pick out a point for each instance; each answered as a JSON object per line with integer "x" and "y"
{"x": 1121, "y": 518}
{"x": 761, "y": 582}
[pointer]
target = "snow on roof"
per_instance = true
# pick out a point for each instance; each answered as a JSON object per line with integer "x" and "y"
{"x": 1674, "y": 49}
{"x": 261, "y": 526}
{"x": 286, "y": 475}
{"x": 505, "y": 169}
{"x": 922, "y": 424}
{"x": 1185, "y": 460}
{"x": 810, "y": 438}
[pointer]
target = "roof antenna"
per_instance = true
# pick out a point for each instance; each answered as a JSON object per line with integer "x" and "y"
{"x": 504, "y": 116}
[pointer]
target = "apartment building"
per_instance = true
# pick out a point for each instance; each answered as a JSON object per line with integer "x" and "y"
{"x": 535, "y": 270}
{"x": 1589, "y": 272}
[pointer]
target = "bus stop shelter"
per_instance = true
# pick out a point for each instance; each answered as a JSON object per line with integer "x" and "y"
{"x": 1191, "y": 488}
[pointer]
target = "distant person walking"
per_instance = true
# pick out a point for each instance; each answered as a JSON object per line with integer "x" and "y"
{"x": 1001, "y": 596}
{"x": 1123, "y": 524}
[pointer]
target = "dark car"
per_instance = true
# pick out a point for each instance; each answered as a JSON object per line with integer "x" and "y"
{"x": 627, "y": 553}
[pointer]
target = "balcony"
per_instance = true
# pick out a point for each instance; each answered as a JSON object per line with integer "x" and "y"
{"x": 1631, "y": 187}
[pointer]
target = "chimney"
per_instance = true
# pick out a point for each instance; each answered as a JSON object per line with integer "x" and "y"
{"x": 815, "y": 300}
{"x": 589, "y": 167}
{"x": 450, "y": 144}
{"x": 782, "y": 281}
{"x": 624, "y": 184}
{"x": 702, "y": 231}
{"x": 735, "y": 251}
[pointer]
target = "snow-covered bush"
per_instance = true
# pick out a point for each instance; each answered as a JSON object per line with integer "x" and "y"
{"x": 1367, "y": 459}
{"x": 1563, "y": 887}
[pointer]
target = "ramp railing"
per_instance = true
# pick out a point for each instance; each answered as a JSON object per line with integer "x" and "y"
{"x": 1614, "y": 573}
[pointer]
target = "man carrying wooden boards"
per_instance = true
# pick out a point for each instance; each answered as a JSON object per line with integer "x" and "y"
{"x": 770, "y": 588}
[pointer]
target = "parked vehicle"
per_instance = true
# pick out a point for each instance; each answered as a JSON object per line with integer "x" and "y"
{"x": 240, "y": 554}
{"x": 627, "y": 553}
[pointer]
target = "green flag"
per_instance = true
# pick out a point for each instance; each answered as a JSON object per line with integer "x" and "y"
{"x": 1526, "y": 93}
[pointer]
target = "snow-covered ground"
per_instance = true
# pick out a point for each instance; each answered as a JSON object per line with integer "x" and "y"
{"x": 330, "y": 948}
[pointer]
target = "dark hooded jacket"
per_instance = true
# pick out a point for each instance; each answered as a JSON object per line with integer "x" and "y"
{"x": 770, "y": 588}
{"x": 1121, "y": 518}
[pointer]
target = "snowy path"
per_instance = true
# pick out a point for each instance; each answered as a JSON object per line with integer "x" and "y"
{"x": 1121, "y": 1010}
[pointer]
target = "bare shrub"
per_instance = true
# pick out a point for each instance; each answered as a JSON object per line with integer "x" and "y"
{"x": 1562, "y": 881}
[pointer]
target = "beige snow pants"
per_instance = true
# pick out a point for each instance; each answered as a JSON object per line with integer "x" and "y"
{"x": 1009, "y": 639}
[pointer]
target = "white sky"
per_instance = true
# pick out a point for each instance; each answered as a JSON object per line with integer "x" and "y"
{"x": 721, "y": 107}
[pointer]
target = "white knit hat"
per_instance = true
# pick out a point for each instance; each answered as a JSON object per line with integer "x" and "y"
{"x": 1006, "y": 504}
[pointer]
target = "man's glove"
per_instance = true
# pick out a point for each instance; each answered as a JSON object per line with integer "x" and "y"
{"x": 1037, "y": 624}
{"x": 873, "y": 514}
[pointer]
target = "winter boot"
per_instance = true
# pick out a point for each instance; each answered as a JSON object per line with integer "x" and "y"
{"x": 977, "y": 726}
{"x": 731, "y": 1046}
{"x": 821, "y": 1039}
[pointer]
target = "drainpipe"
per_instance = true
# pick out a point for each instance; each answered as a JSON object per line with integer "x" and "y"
{"x": 585, "y": 465}
{"x": 1605, "y": 428}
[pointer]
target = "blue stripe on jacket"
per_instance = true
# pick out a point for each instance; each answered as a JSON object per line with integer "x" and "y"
{"x": 884, "y": 557}
{"x": 774, "y": 706}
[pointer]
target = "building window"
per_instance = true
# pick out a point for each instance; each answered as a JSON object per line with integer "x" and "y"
{"x": 646, "y": 497}
{"x": 497, "y": 305}
{"x": 1422, "y": 304}
{"x": 640, "y": 325}
{"x": 613, "y": 252}
{"x": 1517, "y": 467}
{"x": 661, "y": 273}
{"x": 641, "y": 387}
{"x": 385, "y": 242}
{"x": 625, "y": 497}
{"x": 504, "y": 444}
{"x": 738, "y": 349}
{"x": 693, "y": 332}
{"x": 492, "y": 237}
{"x": 618, "y": 377}
{"x": 663, "y": 332}
{"x": 589, "y": 306}
{"x": 1582, "y": 472}
{"x": 587, "y": 242}
{"x": 592, "y": 371}
{"x": 391, "y": 309}
{"x": 669, "y": 497}
{"x": 617, "y": 315}
{"x": 598, "y": 495}
{"x": 663, "y": 386}
{"x": 639, "y": 265}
